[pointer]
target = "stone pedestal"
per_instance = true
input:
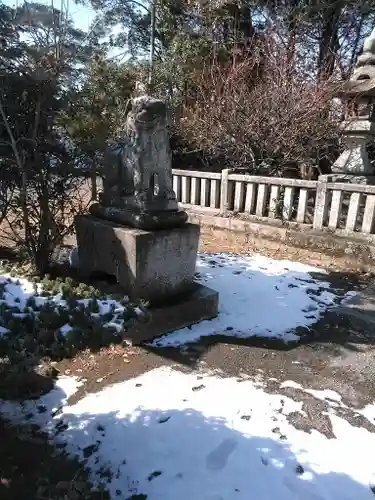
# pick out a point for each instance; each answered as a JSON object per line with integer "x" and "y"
{"x": 152, "y": 265}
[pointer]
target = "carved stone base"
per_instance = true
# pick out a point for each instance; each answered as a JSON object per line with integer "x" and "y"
{"x": 151, "y": 265}
{"x": 141, "y": 220}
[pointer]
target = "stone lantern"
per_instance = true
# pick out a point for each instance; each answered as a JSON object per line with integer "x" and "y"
{"x": 355, "y": 164}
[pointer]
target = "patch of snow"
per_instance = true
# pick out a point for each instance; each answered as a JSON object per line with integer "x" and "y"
{"x": 348, "y": 296}
{"x": 168, "y": 435}
{"x": 290, "y": 384}
{"x": 216, "y": 444}
{"x": 327, "y": 395}
{"x": 50, "y": 403}
{"x": 289, "y": 406}
{"x": 17, "y": 291}
{"x": 258, "y": 297}
{"x": 65, "y": 329}
{"x": 368, "y": 412}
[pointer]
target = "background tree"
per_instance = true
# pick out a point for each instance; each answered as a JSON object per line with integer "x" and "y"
{"x": 96, "y": 111}
{"x": 320, "y": 40}
{"x": 264, "y": 72}
{"x": 33, "y": 91}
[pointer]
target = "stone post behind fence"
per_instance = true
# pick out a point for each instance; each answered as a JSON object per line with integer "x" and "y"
{"x": 224, "y": 190}
{"x": 321, "y": 202}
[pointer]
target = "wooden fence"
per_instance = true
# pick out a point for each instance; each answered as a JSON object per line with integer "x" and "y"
{"x": 319, "y": 204}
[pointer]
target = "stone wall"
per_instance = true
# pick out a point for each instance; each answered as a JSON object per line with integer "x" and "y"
{"x": 359, "y": 251}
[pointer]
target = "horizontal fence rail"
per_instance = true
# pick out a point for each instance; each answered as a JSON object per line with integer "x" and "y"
{"x": 321, "y": 204}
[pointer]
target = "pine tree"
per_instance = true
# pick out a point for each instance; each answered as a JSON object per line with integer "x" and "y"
{"x": 38, "y": 166}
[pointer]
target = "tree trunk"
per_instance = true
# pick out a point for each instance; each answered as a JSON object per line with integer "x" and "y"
{"x": 329, "y": 42}
{"x": 292, "y": 38}
{"x": 245, "y": 24}
{"x": 43, "y": 251}
{"x": 94, "y": 188}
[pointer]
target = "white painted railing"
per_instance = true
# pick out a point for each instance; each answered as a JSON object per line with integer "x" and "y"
{"x": 321, "y": 204}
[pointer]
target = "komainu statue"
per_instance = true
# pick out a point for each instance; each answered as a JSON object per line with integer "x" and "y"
{"x": 137, "y": 185}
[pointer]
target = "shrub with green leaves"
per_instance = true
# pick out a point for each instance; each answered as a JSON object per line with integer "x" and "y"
{"x": 60, "y": 318}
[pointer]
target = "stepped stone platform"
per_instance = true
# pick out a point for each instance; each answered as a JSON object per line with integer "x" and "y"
{"x": 156, "y": 266}
{"x": 201, "y": 303}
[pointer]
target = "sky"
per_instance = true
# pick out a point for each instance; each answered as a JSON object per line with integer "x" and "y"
{"x": 81, "y": 15}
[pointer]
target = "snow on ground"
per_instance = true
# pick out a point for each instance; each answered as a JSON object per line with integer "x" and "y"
{"x": 46, "y": 406}
{"x": 258, "y": 297}
{"x": 171, "y": 435}
{"x": 332, "y": 398}
{"x": 327, "y": 395}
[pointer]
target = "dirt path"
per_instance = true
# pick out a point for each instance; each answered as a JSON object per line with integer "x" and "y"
{"x": 340, "y": 364}
{"x": 346, "y": 369}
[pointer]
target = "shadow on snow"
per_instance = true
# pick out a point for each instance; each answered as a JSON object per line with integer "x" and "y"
{"x": 183, "y": 454}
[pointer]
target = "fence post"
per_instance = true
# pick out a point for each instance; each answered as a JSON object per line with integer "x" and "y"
{"x": 224, "y": 188}
{"x": 321, "y": 202}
